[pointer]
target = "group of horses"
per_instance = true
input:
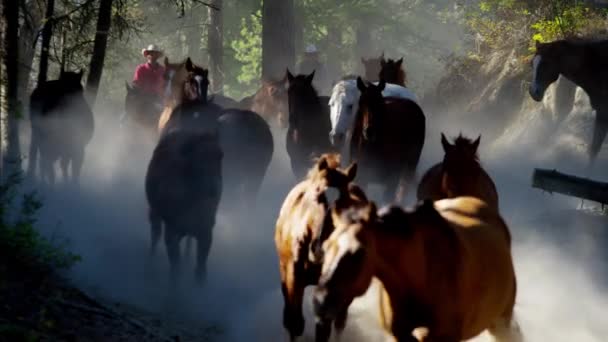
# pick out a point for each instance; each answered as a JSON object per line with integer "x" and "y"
{"x": 445, "y": 265}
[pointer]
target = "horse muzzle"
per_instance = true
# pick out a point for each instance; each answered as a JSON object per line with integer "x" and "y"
{"x": 322, "y": 306}
{"x": 536, "y": 93}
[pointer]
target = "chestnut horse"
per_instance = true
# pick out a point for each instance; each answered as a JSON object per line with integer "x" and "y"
{"x": 309, "y": 123}
{"x": 301, "y": 227}
{"x": 62, "y": 125}
{"x": 184, "y": 178}
{"x": 446, "y": 267}
{"x": 392, "y": 72}
{"x": 584, "y": 63}
{"x": 387, "y": 140}
{"x": 459, "y": 174}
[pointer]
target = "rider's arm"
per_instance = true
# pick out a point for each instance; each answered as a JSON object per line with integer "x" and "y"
{"x": 138, "y": 75}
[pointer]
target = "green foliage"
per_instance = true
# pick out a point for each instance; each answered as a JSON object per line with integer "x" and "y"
{"x": 21, "y": 245}
{"x": 248, "y": 51}
{"x": 569, "y": 22}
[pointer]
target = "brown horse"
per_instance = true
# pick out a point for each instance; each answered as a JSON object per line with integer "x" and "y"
{"x": 309, "y": 123}
{"x": 392, "y": 72}
{"x": 143, "y": 109}
{"x": 459, "y": 174}
{"x": 372, "y": 67}
{"x": 446, "y": 267}
{"x": 584, "y": 63}
{"x": 301, "y": 227}
{"x": 387, "y": 140}
{"x": 184, "y": 178}
{"x": 62, "y": 125}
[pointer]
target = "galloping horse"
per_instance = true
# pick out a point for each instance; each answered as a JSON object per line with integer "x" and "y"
{"x": 344, "y": 103}
{"x": 302, "y": 226}
{"x": 446, "y": 267}
{"x": 387, "y": 140}
{"x": 62, "y": 125}
{"x": 372, "y": 67}
{"x": 184, "y": 177}
{"x": 309, "y": 123}
{"x": 584, "y": 63}
{"x": 392, "y": 72}
{"x": 459, "y": 174}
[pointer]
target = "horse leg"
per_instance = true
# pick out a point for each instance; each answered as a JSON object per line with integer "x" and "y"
{"x": 599, "y": 134}
{"x": 172, "y": 245}
{"x": 340, "y": 322}
{"x": 47, "y": 168}
{"x": 156, "y": 229}
{"x": 204, "y": 246}
{"x": 293, "y": 293}
{"x": 77, "y": 162}
{"x": 322, "y": 330}
{"x": 64, "y": 163}
{"x": 33, "y": 156}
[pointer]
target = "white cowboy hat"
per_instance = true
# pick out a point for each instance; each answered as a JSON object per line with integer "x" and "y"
{"x": 151, "y": 47}
{"x": 311, "y": 48}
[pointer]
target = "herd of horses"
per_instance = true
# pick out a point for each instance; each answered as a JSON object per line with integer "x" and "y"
{"x": 445, "y": 265}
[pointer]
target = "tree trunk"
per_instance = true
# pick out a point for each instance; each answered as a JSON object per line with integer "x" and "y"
{"x": 9, "y": 126}
{"x": 194, "y": 36}
{"x": 553, "y": 181}
{"x": 104, "y": 20}
{"x": 47, "y": 34}
{"x": 278, "y": 48}
{"x": 215, "y": 39}
{"x": 27, "y": 49}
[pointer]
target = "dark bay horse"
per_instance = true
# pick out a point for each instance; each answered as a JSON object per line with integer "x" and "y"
{"x": 143, "y": 109}
{"x": 372, "y": 67}
{"x": 584, "y": 63}
{"x": 459, "y": 174}
{"x": 184, "y": 177}
{"x": 309, "y": 123}
{"x": 303, "y": 224}
{"x": 62, "y": 125}
{"x": 387, "y": 140}
{"x": 446, "y": 268}
{"x": 392, "y": 72}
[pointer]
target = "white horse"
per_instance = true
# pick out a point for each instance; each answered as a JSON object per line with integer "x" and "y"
{"x": 344, "y": 103}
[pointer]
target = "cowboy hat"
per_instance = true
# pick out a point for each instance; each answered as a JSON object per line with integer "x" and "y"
{"x": 151, "y": 47}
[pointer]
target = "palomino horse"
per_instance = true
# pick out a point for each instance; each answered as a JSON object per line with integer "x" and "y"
{"x": 309, "y": 123}
{"x": 392, "y": 72}
{"x": 184, "y": 177}
{"x": 344, "y": 103}
{"x": 446, "y": 268}
{"x": 301, "y": 227}
{"x": 387, "y": 140}
{"x": 372, "y": 67}
{"x": 459, "y": 174}
{"x": 584, "y": 63}
{"x": 62, "y": 125}
{"x": 143, "y": 109}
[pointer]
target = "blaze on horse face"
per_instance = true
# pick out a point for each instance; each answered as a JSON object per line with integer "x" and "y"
{"x": 545, "y": 70}
{"x": 371, "y": 107}
{"x": 346, "y": 271}
{"x": 197, "y": 83}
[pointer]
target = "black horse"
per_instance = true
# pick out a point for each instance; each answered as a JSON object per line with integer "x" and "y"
{"x": 62, "y": 125}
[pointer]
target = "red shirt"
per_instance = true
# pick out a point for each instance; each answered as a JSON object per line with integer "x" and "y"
{"x": 150, "y": 78}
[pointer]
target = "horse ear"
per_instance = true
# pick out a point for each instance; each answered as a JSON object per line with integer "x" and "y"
{"x": 310, "y": 77}
{"x": 323, "y": 165}
{"x": 351, "y": 171}
{"x": 445, "y": 143}
{"x": 476, "y": 143}
{"x": 189, "y": 65}
{"x": 360, "y": 85}
{"x": 290, "y": 77}
{"x": 400, "y": 61}
{"x": 128, "y": 86}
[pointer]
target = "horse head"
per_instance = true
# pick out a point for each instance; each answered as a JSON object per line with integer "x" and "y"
{"x": 463, "y": 152}
{"x": 372, "y": 67}
{"x": 71, "y": 81}
{"x": 196, "y": 83}
{"x": 346, "y": 272}
{"x": 371, "y": 107}
{"x": 392, "y": 71}
{"x": 343, "y": 105}
{"x": 274, "y": 99}
{"x": 545, "y": 68}
{"x": 300, "y": 95}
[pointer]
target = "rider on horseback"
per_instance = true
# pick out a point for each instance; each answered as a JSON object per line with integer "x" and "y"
{"x": 149, "y": 76}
